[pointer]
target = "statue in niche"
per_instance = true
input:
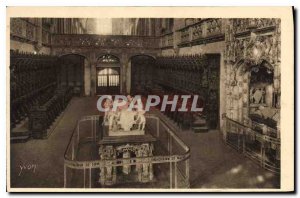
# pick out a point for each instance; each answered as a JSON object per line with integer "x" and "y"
{"x": 257, "y": 95}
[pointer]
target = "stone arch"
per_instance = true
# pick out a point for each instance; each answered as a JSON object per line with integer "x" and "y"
{"x": 244, "y": 65}
{"x": 141, "y": 54}
{"x": 78, "y": 54}
{"x": 241, "y": 83}
{"x": 117, "y": 56}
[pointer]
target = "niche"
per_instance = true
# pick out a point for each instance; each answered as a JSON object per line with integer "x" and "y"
{"x": 262, "y": 108}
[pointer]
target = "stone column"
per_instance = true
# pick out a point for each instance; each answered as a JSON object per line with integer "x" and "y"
{"x": 87, "y": 78}
{"x": 108, "y": 174}
{"x": 123, "y": 71}
{"x": 39, "y": 35}
{"x": 93, "y": 77}
{"x": 126, "y": 168}
{"x": 128, "y": 78}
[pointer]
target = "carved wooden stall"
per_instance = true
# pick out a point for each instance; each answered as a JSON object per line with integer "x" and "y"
{"x": 33, "y": 80}
{"x": 252, "y": 58}
{"x": 71, "y": 72}
{"x": 195, "y": 75}
{"x": 35, "y": 99}
{"x": 142, "y": 68}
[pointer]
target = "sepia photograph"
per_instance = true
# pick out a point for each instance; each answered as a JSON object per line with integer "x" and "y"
{"x": 134, "y": 100}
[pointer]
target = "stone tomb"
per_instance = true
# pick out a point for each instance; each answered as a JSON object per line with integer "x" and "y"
{"x": 123, "y": 136}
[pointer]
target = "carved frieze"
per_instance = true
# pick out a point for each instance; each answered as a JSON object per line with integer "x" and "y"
{"x": 243, "y": 25}
{"x": 255, "y": 47}
{"x": 95, "y": 41}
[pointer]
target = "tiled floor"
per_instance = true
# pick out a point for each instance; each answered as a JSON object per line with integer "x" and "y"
{"x": 212, "y": 164}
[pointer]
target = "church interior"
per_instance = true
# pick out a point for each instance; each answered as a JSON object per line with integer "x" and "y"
{"x": 59, "y": 67}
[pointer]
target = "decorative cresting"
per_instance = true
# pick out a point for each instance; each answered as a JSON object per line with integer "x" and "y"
{"x": 104, "y": 41}
{"x": 107, "y": 58}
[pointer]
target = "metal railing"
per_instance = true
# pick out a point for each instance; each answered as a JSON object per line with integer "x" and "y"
{"x": 261, "y": 148}
{"x": 170, "y": 153}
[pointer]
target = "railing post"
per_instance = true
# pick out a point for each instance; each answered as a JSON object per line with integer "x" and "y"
{"x": 171, "y": 175}
{"x": 92, "y": 127}
{"x": 73, "y": 152}
{"x": 175, "y": 174}
{"x": 78, "y": 132}
{"x": 90, "y": 171}
{"x": 65, "y": 176}
{"x": 170, "y": 154}
{"x": 244, "y": 139}
{"x": 157, "y": 126}
{"x": 187, "y": 171}
{"x": 84, "y": 176}
{"x": 225, "y": 129}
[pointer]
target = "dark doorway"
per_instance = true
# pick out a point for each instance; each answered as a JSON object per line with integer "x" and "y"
{"x": 108, "y": 75}
{"x": 142, "y": 70}
{"x": 71, "y": 72}
{"x": 108, "y": 80}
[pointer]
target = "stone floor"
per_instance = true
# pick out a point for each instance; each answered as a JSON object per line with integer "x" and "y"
{"x": 39, "y": 163}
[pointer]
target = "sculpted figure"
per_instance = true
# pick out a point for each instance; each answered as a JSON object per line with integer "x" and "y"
{"x": 112, "y": 119}
{"x": 141, "y": 120}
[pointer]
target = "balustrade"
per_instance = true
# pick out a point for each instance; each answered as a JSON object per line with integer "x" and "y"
{"x": 244, "y": 25}
{"x": 167, "y": 40}
{"x": 169, "y": 153}
{"x": 46, "y": 38}
{"x": 203, "y": 31}
{"x": 260, "y": 145}
{"x": 24, "y": 29}
{"x": 185, "y": 35}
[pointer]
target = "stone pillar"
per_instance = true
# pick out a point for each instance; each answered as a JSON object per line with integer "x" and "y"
{"x": 145, "y": 168}
{"x": 87, "y": 78}
{"x": 123, "y": 71}
{"x": 222, "y": 90}
{"x": 39, "y": 35}
{"x": 245, "y": 97}
{"x": 93, "y": 79}
{"x": 108, "y": 174}
{"x": 126, "y": 168}
{"x": 128, "y": 78}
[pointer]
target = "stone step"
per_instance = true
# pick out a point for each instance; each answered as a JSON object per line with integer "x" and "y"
{"x": 19, "y": 137}
{"x": 20, "y": 133}
{"x": 202, "y": 129}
